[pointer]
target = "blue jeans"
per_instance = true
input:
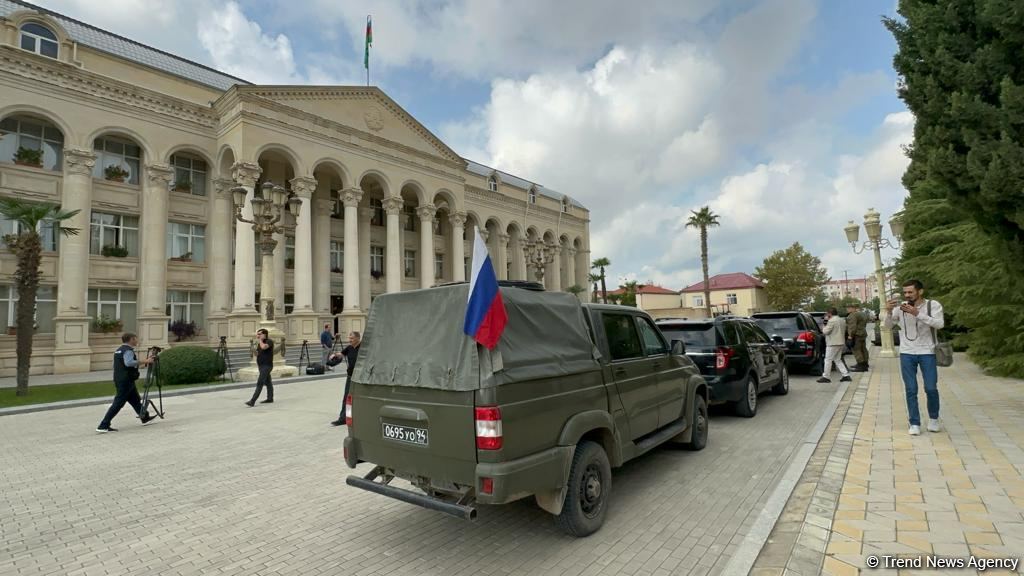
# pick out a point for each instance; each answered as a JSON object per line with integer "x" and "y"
{"x": 930, "y": 372}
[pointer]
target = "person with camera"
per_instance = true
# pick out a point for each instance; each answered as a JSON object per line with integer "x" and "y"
{"x": 835, "y": 343}
{"x": 126, "y": 372}
{"x": 265, "y": 363}
{"x": 350, "y": 352}
{"x": 918, "y": 319}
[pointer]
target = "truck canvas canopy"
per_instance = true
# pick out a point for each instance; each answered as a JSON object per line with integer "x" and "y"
{"x": 415, "y": 339}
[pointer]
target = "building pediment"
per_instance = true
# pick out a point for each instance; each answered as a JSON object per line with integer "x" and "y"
{"x": 363, "y": 109}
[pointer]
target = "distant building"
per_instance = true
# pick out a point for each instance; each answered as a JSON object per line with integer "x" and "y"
{"x": 863, "y": 289}
{"x": 737, "y": 293}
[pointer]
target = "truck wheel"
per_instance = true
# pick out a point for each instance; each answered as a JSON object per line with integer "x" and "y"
{"x": 699, "y": 439}
{"x": 747, "y": 406}
{"x": 590, "y": 485}
{"x": 782, "y": 388}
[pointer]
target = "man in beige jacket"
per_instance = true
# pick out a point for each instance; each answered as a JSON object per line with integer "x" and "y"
{"x": 835, "y": 342}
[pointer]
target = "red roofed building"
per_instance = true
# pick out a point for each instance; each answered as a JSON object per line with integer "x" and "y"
{"x": 736, "y": 292}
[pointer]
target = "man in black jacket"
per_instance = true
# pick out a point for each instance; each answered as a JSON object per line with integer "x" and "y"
{"x": 350, "y": 352}
{"x": 265, "y": 363}
{"x": 126, "y": 372}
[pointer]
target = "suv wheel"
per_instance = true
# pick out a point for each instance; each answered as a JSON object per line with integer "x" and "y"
{"x": 699, "y": 439}
{"x": 747, "y": 406}
{"x": 782, "y": 388}
{"x": 590, "y": 485}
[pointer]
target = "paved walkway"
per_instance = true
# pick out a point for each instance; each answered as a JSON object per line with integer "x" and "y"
{"x": 951, "y": 495}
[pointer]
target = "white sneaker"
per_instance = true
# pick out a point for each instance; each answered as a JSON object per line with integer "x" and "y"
{"x": 933, "y": 425}
{"x": 915, "y": 430}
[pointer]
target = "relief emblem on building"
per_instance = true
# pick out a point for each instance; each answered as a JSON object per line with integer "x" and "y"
{"x": 374, "y": 119}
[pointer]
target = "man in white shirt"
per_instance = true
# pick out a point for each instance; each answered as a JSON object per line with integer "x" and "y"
{"x": 835, "y": 342}
{"x": 917, "y": 317}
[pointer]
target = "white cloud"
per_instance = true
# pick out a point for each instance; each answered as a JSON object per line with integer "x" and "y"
{"x": 239, "y": 47}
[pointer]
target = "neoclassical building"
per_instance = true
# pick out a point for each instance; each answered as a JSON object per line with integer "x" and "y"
{"x": 147, "y": 146}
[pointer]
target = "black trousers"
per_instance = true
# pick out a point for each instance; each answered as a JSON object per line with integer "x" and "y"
{"x": 264, "y": 380}
{"x": 126, "y": 393}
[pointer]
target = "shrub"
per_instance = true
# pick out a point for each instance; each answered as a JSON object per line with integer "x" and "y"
{"x": 28, "y": 156}
{"x": 115, "y": 173}
{"x": 113, "y": 251}
{"x": 190, "y": 365}
{"x": 106, "y": 324}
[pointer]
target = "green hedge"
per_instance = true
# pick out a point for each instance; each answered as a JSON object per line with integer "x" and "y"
{"x": 189, "y": 365}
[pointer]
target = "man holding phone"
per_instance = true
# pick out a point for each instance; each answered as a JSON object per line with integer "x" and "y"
{"x": 917, "y": 317}
{"x": 265, "y": 363}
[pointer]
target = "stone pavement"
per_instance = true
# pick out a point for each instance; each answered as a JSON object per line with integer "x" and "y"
{"x": 952, "y": 494}
{"x": 219, "y": 488}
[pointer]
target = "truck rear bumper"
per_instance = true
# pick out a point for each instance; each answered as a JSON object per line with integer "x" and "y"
{"x": 368, "y": 483}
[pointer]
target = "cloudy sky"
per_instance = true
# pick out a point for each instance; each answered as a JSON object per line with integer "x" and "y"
{"x": 779, "y": 114}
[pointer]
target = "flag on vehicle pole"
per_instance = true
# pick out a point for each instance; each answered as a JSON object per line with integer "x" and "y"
{"x": 485, "y": 310}
{"x": 369, "y": 41}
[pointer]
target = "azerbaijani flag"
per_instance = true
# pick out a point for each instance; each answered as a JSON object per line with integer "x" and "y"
{"x": 485, "y": 312}
{"x": 369, "y": 41}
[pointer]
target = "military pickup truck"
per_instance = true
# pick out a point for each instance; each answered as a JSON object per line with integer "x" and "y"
{"x": 571, "y": 391}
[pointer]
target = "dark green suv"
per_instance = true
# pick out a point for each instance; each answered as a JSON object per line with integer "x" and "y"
{"x": 570, "y": 392}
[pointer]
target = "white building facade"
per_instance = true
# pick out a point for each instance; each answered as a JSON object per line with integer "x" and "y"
{"x": 147, "y": 147}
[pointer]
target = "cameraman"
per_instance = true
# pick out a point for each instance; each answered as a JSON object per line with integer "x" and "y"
{"x": 126, "y": 372}
{"x": 265, "y": 363}
{"x": 350, "y": 353}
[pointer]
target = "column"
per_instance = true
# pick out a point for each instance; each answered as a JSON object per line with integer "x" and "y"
{"x": 501, "y": 248}
{"x": 303, "y": 188}
{"x": 321, "y": 252}
{"x": 395, "y": 271}
{"x": 278, "y": 272}
{"x": 524, "y": 267}
{"x": 152, "y": 317}
{"x": 72, "y": 339}
{"x": 583, "y": 273}
{"x": 218, "y": 234}
{"x": 552, "y": 275}
{"x": 570, "y": 263}
{"x": 365, "y": 216}
{"x": 458, "y": 222}
{"x": 245, "y": 174}
{"x": 426, "y": 214}
{"x": 351, "y": 197}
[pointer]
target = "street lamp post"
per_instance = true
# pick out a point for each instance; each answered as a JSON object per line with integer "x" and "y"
{"x": 269, "y": 206}
{"x": 538, "y": 254}
{"x": 875, "y": 242}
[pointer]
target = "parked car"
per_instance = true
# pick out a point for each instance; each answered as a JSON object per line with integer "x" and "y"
{"x": 878, "y": 334}
{"x": 735, "y": 356}
{"x": 802, "y": 335}
{"x": 571, "y": 391}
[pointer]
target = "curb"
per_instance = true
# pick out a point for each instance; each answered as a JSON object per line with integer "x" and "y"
{"x": 166, "y": 394}
{"x": 747, "y": 552}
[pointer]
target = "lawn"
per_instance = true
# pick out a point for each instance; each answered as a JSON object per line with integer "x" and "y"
{"x": 43, "y": 394}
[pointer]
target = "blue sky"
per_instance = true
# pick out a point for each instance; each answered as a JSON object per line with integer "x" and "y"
{"x": 779, "y": 114}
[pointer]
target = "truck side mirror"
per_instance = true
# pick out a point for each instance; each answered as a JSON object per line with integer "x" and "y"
{"x": 678, "y": 348}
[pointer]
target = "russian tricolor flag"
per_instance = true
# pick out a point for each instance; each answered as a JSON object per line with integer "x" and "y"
{"x": 485, "y": 312}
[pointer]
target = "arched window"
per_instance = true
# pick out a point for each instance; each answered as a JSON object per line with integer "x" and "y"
{"x": 532, "y": 196}
{"x": 189, "y": 174}
{"x": 42, "y": 143}
{"x": 565, "y": 205}
{"x": 39, "y": 39}
{"x": 117, "y": 160}
{"x": 492, "y": 184}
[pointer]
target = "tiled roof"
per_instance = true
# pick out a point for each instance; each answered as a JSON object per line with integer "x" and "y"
{"x": 731, "y": 281}
{"x": 129, "y": 49}
{"x": 656, "y": 290}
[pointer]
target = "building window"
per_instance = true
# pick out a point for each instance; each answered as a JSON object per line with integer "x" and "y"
{"x": 410, "y": 263}
{"x": 409, "y": 218}
{"x": 532, "y": 196}
{"x": 437, "y": 226}
{"x": 378, "y": 212}
{"x": 731, "y": 299}
{"x": 377, "y": 260}
{"x": 565, "y": 205}
{"x": 337, "y": 257}
{"x": 189, "y": 174}
{"x": 438, "y": 266}
{"x": 466, "y": 265}
{"x": 39, "y": 39}
{"x": 114, "y": 303}
{"x": 46, "y": 308}
{"x": 32, "y": 134}
{"x": 492, "y": 184}
{"x": 185, "y": 306}
{"x": 289, "y": 252}
{"x": 48, "y": 232}
{"x": 289, "y": 303}
{"x": 339, "y": 206}
{"x": 120, "y": 153}
{"x": 698, "y": 301}
{"x": 114, "y": 230}
{"x": 186, "y": 241}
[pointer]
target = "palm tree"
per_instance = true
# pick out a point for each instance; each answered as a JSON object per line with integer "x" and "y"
{"x": 594, "y": 279}
{"x": 27, "y": 247}
{"x": 703, "y": 220}
{"x": 602, "y": 263}
{"x": 575, "y": 290}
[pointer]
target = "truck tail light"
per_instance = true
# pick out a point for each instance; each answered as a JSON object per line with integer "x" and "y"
{"x": 488, "y": 428}
{"x": 722, "y": 357}
{"x": 348, "y": 410}
{"x": 487, "y": 485}
{"x": 807, "y": 338}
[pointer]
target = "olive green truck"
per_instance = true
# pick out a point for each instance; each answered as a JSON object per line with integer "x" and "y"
{"x": 571, "y": 391}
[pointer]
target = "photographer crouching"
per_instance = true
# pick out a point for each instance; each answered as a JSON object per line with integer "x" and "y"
{"x": 126, "y": 372}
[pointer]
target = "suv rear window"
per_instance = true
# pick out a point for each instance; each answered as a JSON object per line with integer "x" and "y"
{"x": 778, "y": 325}
{"x": 693, "y": 335}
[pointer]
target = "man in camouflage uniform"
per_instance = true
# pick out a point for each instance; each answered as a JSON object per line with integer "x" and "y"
{"x": 857, "y": 332}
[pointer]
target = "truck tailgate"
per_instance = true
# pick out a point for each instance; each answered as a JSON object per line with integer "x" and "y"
{"x": 416, "y": 431}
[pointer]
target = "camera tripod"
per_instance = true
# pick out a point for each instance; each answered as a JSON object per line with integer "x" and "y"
{"x": 222, "y": 353}
{"x": 153, "y": 378}
{"x": 304, "y": 354}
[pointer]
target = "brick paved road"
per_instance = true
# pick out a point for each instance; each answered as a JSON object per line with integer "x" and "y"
{"x": 219, "y": 488}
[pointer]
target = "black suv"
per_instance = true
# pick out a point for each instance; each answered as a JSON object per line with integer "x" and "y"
{"x": 737, "y": 359}
{"x": 802, "y": 335}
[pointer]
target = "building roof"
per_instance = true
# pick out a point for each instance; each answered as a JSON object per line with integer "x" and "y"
{"x": 656, "y": 290}
{"x": 122, "y": 47}
{"x": 512, "y": 180}
{"x": 730, "y": 281}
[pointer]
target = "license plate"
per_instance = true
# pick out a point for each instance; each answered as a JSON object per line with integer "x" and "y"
{"x": 406, "y": 434}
